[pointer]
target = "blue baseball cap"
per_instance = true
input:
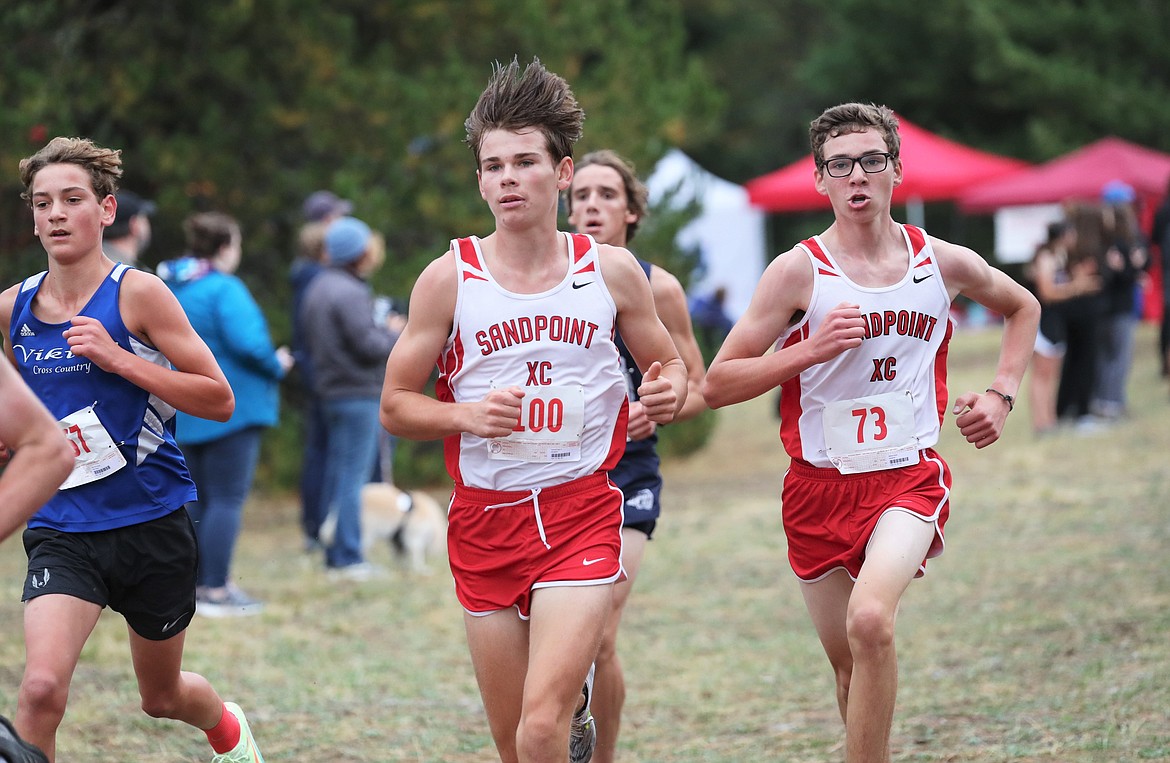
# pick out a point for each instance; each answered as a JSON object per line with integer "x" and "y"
{"x": 1117, "y": 192}
{"x": 346, "y": 239}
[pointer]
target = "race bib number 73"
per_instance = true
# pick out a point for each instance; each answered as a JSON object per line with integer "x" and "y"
{"x": 868, "y": 434}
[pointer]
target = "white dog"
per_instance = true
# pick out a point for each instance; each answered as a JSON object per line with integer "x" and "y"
{"x": 412, "y": 522}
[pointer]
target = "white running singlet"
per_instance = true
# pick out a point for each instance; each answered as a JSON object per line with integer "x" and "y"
{"x": 558, "y": 346}
{"x": 875, "y": 406}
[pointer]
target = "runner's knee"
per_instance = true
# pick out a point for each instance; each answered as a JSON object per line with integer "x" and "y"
{"x": 44, "y": 695}
{"x": 870, "y": 627}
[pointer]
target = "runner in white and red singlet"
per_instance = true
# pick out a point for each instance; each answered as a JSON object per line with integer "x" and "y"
{"x": 532, "y": 406}
{"x": 859, "y": 316}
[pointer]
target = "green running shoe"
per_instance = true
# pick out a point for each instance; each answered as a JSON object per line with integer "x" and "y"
{"x": 245, "y": 750}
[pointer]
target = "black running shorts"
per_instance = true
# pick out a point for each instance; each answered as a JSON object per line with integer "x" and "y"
{"x": 146, "y": 571}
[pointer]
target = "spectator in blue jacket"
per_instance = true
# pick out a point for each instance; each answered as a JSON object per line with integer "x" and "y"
{"x": 222, "y": 456}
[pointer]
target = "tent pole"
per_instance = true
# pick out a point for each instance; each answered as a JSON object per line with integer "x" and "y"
{"x": 916, "y": 211}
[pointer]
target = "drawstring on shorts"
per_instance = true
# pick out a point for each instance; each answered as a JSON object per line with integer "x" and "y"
{"x": 534, "y": 496}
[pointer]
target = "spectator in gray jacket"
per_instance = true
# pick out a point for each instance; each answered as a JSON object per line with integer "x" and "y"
{"x": 348, "y": 351}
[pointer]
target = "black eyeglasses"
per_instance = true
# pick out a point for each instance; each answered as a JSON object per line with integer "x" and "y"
{"x": 842, "y": 166}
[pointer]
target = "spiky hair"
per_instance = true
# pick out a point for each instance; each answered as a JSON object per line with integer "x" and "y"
{"x": 535, "y": 98}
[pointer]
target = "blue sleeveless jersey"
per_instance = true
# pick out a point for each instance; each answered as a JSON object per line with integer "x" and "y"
{"x": 155, "y": 481}
{"x": 639, "y": 466}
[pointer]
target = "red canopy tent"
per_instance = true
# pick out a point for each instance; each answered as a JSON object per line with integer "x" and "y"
{"x": 1081, "y": 175}
{"x": 933, "y": 169}
{"x": 1077, "y": 175}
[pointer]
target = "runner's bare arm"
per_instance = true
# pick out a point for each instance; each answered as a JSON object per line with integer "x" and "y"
{"x": 194, "y": 385}
{"x": 406, "y": 411}
{"x": 37, "y": 454}
{"x": 664, "y": 375}
{"x": 980, "y": 416}
{"x": 744, "y": 369}
{"x": 7, "y": 301}
{"x": 670, "y": 301}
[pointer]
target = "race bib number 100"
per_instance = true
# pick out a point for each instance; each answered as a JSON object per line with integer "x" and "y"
{"x": 552, "y": 419}
{"x": 868, "y": 434}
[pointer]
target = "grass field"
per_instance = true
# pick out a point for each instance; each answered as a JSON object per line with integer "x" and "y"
{"x": 1040, "y": 635}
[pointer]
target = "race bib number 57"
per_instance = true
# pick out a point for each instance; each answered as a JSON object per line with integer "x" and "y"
{"x": 95, "y": 455}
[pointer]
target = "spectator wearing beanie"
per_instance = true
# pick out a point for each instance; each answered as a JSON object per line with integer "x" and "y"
{"x": 347, "y": 349}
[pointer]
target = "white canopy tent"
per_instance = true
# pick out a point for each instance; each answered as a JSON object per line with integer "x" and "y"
{"x": 729, "y": 231}
{"x": 1019, "y": 230}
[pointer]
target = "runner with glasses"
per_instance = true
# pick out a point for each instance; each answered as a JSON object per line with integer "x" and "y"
{"x": 860, "y": 315}
{"x": 842, "y": 166}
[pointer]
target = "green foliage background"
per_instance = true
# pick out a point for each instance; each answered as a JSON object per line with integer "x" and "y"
{"x": 246, "y": 106}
